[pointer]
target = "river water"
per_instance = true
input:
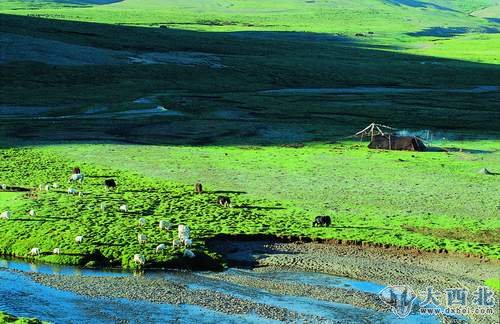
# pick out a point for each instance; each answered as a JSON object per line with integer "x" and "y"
{"x": 20, "y": 296}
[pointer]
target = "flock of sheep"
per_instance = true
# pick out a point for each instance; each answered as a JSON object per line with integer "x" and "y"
{"x": 183, "y": 238}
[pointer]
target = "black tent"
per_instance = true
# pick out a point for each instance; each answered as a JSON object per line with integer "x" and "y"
{"x": 393, "y": 142}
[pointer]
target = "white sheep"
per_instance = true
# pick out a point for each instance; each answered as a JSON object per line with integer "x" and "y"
{"x": 47, "y": 187}
{"x": 76, "y": 177}
{"x": 183, "y": 231}
{"x": 139, "y": 259}
{"x": 160, "y": 248}
{"x": 56, "y": 251}
{"x": 72, "y": 191}
{"x": 55, "y": 185}
{"x": 141, "y": 222}
{"x": 80, "y": 194}
{"x": 5, "y": 215}
{"x": 189, "y": 254}
{"x": 103, "y": 206}
{"x": 79, "y": 239}
{"x": 164, "y": 225}
{"x": 176, "y": 243}
{"x": 187, "y": 242}
{"x": 35, "y": 251}
{"x": 124, "y": 208}
{"x": 32, "y": 213}
{"x": 4, "y": 186}
{"x": 142, "y": 238}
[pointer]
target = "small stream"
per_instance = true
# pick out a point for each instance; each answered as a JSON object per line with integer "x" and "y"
{"x": 20, "y": 296}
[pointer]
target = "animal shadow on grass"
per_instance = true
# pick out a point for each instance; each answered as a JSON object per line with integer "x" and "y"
{"x": 102, "y": 176}
{"x": 258, "y": 207}
{"x": 228, "y": 192}
{"x": 109, "y": 244}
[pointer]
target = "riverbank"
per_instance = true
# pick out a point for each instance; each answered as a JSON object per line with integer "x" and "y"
{"x": 384, "y": 266}
{"x": 301, "y": 271}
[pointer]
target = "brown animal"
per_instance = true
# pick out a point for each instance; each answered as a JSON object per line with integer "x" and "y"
{"x": 224, "y": 201}
{"x": 198, "y": 188}
{"x": 76, "y": 170}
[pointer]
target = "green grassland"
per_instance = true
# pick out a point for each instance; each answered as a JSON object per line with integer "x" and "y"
{"x": 443, "y": 53}
{"x": 6, "y": 318}
{"x": 430, "y": 201}
{"x": 338, "y": 17}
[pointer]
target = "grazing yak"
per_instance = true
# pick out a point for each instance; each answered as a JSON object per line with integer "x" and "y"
{"x": 110, "y": 184}
{"x": 224, "y": 201}
{"x": 198, "y": 188}
{"x": 322, "y": 221}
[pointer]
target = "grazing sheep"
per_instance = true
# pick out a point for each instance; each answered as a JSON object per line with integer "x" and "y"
{"x": 224, "y": 201}
{"x": 176, "y": 243}
{"x": 164, "y": 225}
{"x": 198, "y": 188}
{"x": 103, "y": 206}
{"x": 47, "y": 187}
{"x": 160, "y": 248}
{"x": 40, "y": 187}
{"x": 110, "y": 184}
{"x": 72, "y": 191}
{"x": 142, "y": 222}
{"x": 35, "y": 251}
{"x": 56, "y": 251}
{"x": 32, "y": 213}
{"x": 124, "y": 208}
{"x": 5, "y": 215}
{"x": 76, "y": 177}
{"x": 188, "y": 242}
{"x": 183, "y": 232}
{"x": 139, "y": 259}
{"x": 80, "y": 194}
{"x": 189, "y": 254}
{"x": 79, "y": 239}
{"x": 55, "y": 185}
{"x": 4, "y": 186}
{"x": 142, "y": 238}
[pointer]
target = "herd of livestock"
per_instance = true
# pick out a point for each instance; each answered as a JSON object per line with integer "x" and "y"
{"x": 183, "y": 237}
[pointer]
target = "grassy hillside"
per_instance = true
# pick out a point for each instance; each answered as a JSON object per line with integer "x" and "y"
{"x": 432, "y": 201}
{"x": 226, "y": 105}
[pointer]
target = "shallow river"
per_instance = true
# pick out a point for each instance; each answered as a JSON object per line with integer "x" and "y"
{"x": 20, "y": 296}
